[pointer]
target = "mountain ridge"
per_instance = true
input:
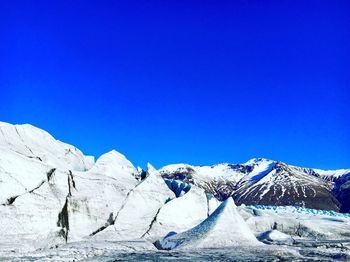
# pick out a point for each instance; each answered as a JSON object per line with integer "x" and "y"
{"x": 261, "y": 181}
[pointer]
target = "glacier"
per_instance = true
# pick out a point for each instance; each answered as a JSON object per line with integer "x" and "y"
{"x": 58, "y": 204}
{"x": 224, "y": 227}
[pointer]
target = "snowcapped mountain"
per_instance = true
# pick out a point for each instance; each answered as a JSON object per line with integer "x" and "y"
{"x": 267, "y": 182}
{"x": 52, "y": 194}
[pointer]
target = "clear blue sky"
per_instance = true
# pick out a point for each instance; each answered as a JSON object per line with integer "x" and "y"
{"x": 199, "y": 82}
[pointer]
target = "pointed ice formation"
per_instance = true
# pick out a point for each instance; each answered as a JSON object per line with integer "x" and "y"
{"x": 225, "y": 227}
{"x": 140, "y": 208}
{"x": 115, "y": 165}
{"x": 99, "y": 194}
{"x": 181, "y": 213}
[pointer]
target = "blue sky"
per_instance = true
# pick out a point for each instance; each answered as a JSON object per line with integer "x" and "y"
{"x": 199, "y": 82}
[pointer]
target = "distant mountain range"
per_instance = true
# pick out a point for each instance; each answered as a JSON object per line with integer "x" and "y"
{"x": 266, "y": 182}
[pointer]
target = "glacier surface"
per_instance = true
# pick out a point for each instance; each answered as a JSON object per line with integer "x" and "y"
{"x": 58, "y": 204}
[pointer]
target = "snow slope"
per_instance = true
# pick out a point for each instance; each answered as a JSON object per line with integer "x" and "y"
{"x": 332, "y": 174}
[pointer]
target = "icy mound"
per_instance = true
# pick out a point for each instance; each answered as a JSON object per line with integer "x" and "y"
{"x": 223, "y": 228}
{"x": 181, "y": 213}
{"x": 139, "y": 209}
{"x": 58, "y": 205}
{"x": 39, "y": 145}
{"x": 30, "y": 221}
{"x": 28, "y": 156}
{"x": 98, "y": 194}
{"x": 50, "y": 193}
{"x": 115, "y": 165}
{"x": 276, "y": 237}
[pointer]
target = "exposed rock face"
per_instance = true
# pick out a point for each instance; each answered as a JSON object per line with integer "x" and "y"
{"x": 342, "y": 192}
{"x": 219, "y": 180}
{"x": 285, "y": 185}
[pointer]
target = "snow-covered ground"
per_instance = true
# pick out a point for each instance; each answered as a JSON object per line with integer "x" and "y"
{"x": 332, "y": 174}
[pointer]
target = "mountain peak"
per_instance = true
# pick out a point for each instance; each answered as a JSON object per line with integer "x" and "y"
{"x": 257, "y": 160}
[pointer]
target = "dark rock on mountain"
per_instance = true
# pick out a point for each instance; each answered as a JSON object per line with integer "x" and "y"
{"x": 267, "y": 182}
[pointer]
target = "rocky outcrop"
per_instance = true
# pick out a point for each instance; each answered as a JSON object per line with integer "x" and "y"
{"x": 342, "y": 192}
